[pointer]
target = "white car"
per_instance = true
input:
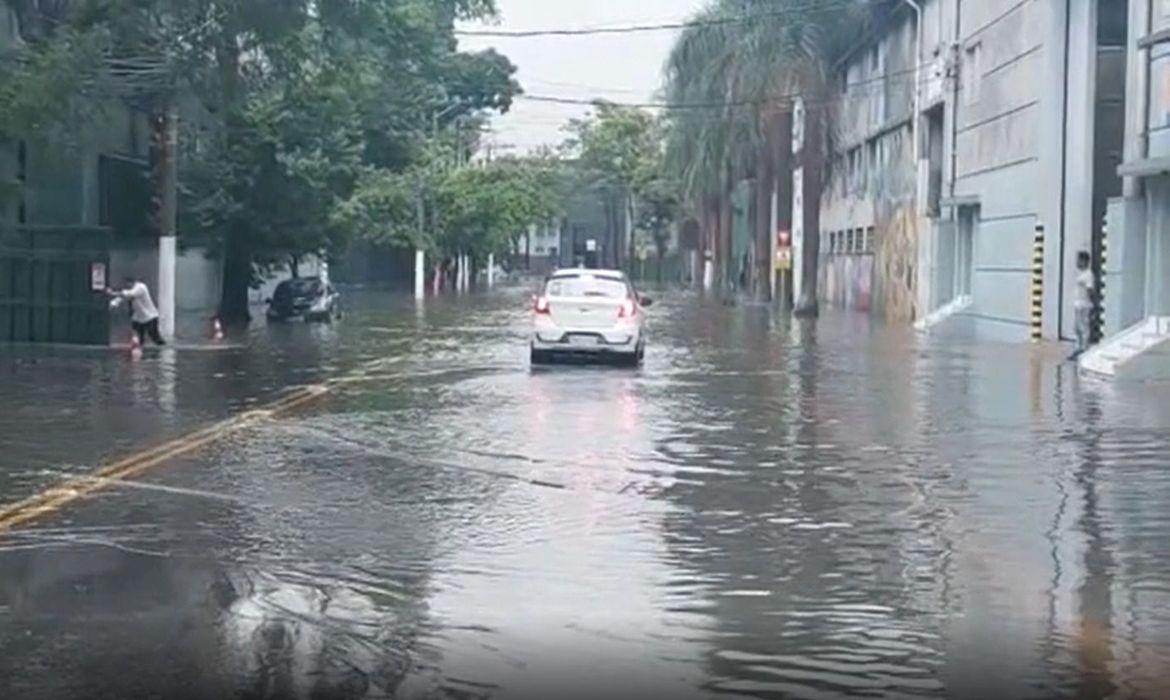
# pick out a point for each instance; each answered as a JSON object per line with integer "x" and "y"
{"x": 589, "y": 313}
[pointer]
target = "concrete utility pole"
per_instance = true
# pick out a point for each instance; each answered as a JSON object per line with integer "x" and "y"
{"x": 420, "y": 262}
{"x": 167, "y": 134}
{"x": 419, "y": 255}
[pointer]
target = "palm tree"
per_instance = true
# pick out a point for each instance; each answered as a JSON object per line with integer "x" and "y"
{"x": 696, "y": 142}
{"x": 750, "y": 73}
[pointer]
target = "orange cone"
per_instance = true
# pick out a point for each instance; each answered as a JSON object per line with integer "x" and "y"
{"x": 216, "y": 329}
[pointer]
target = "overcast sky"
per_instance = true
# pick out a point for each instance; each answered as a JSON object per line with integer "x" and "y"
{"x": 622, "y": 67}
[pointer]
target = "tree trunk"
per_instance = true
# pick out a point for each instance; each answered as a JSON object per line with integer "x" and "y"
{"x": 237, "y": 256}
{"x": 714, "y": 238}
{"x": 765, "y": 186}
{"x": 812, "y": 164}
{"x": 660, "y": 247}
{"x": 603, "y": 256}
{"x": 237, "y": 278}
{"x": 726, "y": 221}
{"x": 631, "y": 217}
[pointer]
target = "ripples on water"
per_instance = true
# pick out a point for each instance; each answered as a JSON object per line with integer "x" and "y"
{"x": 765, "y": 509}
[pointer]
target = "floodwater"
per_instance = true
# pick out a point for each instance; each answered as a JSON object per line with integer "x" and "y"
{"x": 765, "y": 509}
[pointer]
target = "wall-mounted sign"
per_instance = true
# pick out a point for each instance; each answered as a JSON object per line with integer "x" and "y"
{"x": 591, "y": 245}
{"x": 97, "y": 276}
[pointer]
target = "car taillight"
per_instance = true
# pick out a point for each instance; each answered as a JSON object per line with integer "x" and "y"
{"x": 628, "y": 309}
{"x": 541, "y": 305}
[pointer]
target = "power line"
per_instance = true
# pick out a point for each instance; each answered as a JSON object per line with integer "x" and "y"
{"x": 664, "y": 26}
{"x": 775, "y": 99}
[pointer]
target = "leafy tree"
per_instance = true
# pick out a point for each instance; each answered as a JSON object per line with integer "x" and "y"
{"x": 474, "y": 210}
{"x": 659, "y": 211}
{"x": 313, "y": 117}
{"x": 481, "y": 209}
{"x": 618, "y": 148}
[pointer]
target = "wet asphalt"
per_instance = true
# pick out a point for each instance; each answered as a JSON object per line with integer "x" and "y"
{"x": 767, "y": 508}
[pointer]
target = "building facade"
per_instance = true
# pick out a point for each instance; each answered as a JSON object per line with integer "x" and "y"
{"x": 1136, "y": 294}
{"x": 967, "y": 131}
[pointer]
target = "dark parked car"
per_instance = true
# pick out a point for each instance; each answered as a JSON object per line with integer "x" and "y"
{"x": 309, "y": 298}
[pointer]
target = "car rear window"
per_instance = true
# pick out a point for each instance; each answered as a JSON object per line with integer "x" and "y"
{"x": 587, "y": 286}
{"x": 300, "y": 285}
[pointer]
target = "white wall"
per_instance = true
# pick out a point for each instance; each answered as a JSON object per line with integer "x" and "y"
{"x": 998, "y": 157}
{"x": 197, "y": 278}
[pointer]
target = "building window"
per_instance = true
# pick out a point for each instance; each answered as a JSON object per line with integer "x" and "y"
{"x": 1162, "y": 18}
{"x": 973, "y": 73}
{"x": 1159, "y": 88}
{"x": 877, "y": 94}
{"x": 869, "y": 242}
{"x": 854, "y": 169}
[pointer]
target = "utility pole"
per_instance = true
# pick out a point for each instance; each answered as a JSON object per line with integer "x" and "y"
{"x": 419, "y": 255}
{"x": 167, "y": 179}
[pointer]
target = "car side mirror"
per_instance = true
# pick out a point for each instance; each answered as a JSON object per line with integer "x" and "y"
{"x": 646, "y": 301}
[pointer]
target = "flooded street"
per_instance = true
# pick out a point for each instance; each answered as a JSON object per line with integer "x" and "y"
{"x": 767, "y": 508}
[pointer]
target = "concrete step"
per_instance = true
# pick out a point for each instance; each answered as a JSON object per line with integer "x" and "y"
{"x": 1102, "y": 364}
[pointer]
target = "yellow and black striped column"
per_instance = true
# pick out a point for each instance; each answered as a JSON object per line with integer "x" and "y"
{"x": 1099, "y": 308}
{"x": 1038, "y": 284}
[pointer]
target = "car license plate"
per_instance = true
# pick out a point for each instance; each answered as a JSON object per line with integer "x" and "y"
{"x": 583, "y": 340}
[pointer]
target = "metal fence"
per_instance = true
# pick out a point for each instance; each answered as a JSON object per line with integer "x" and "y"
{"x": 50, "y": 284}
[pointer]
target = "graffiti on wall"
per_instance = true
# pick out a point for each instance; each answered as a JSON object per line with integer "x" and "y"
{"x": 846, "y": 280}
{"x": 895, "y": 255}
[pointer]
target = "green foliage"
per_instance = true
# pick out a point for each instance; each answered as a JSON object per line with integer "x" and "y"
{"x": 295, "y": 154}
{"x": 40, "y": 85}
{"x": 482, "y": 209}
{"x": 624, "y": 147}
{"x": 383, "y": 210}
{"x": 660, "y": 207}
{"x": 616, "y": 145}
{"x": 314, "y": 115}
{"x": 742, "y": 75}
{"x": 471, "y": 209}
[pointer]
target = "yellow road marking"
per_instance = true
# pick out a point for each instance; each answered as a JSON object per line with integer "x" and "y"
{"x": 74, "y": 489}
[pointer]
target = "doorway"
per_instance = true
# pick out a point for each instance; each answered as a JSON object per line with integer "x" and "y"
{"x": 965, "y": 250}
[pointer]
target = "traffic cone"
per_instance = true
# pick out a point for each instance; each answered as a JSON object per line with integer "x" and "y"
{"x": 216, "y": 329}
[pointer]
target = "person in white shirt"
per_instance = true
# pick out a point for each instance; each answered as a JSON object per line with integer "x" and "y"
{"x": 1086, "y": 289}
{"x": 143, "y": 314}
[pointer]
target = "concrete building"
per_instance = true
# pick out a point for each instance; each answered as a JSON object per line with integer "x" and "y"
{"x": 1136, "y": 291}
{"x": 963, "y": 126}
